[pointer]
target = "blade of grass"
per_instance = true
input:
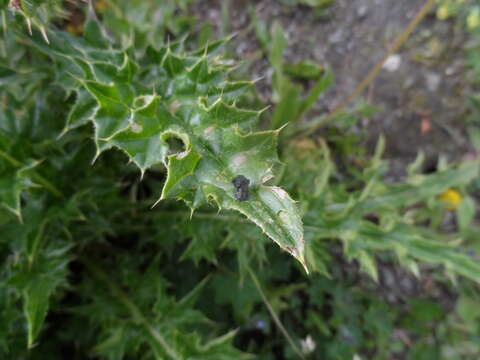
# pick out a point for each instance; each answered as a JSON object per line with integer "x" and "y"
{"x": 274, "y": 315}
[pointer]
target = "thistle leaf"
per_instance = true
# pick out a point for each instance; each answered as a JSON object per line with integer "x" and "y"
{"x": 12, "y": 183}
{"x": 185, "y": 98}
{"x": 35, "y": 307}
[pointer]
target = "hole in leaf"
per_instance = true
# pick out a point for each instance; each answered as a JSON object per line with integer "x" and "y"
{"x": 139, "y": 102}
{"x": 373, "y": 218}
{"x": 430, "y": 165}
{"x": 175, "y": 145}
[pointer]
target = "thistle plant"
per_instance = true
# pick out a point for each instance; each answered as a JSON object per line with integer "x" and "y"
{"x": 161, "y": 106}
{"x": 143, "y": 105}
{"x": 99, "y": 134}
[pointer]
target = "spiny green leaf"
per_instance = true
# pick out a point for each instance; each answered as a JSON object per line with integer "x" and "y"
{"x": 35, "y": 307}
{"x": 425, "y": 186}
{"x": 38, "y": 273}
{"x": 36, "y": 12}
{"x": 367, "y": 263}
{"x": 12, "y": 183}
{"x": 407, "y": 241}
{"x": 180, "y": 165}
{"x": 82, "y": 111}
{"x": 187, "y": 98}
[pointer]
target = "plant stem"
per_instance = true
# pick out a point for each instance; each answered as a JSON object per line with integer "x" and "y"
{"x": 10, "y": 159}
{"x": 134, "y": 310}
{"x": 274, "y": 315}
{"x": 47, "y": 184}
{"x": 399, "y": 41}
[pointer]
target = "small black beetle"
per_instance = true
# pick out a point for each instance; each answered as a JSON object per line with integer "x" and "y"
{"x": 241, "y": 184}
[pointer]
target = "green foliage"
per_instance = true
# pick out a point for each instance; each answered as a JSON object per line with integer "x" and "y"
{"x": 36, "y": 13}
{"x": 141, "y": 19}
{"x": 334, "y": 213}
{"x": 192, "y": 103}
{"x": 467, "y": 10}
{"x": 288, "y": 95}
{"x": 312, "y": 3}
{"x": 91, "y": 268}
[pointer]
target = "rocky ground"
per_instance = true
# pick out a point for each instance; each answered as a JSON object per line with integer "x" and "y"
{"x": 421, "y": 91}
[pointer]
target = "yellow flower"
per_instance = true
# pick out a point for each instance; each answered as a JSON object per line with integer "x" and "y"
{"x": 450, "y": 198}
{"x": 443, "y": 13}
{"x": 100, "y": 5}
{"x": 74, "y": 29}
{"x": 473, "y": 19}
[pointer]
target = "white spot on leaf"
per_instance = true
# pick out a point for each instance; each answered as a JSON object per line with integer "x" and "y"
{"x": 181, "y": 155}
{"x": 265, "y": 178}
{"x": 238, "y": 160}
{"x": 283, "y": 217}
{"x": 136, "y": 128}
{"x": 282, "y": 194}
{"x": 208, "y": 130}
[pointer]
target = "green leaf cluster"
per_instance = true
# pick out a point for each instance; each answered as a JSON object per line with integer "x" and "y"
{"x": 96, "y": 130}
